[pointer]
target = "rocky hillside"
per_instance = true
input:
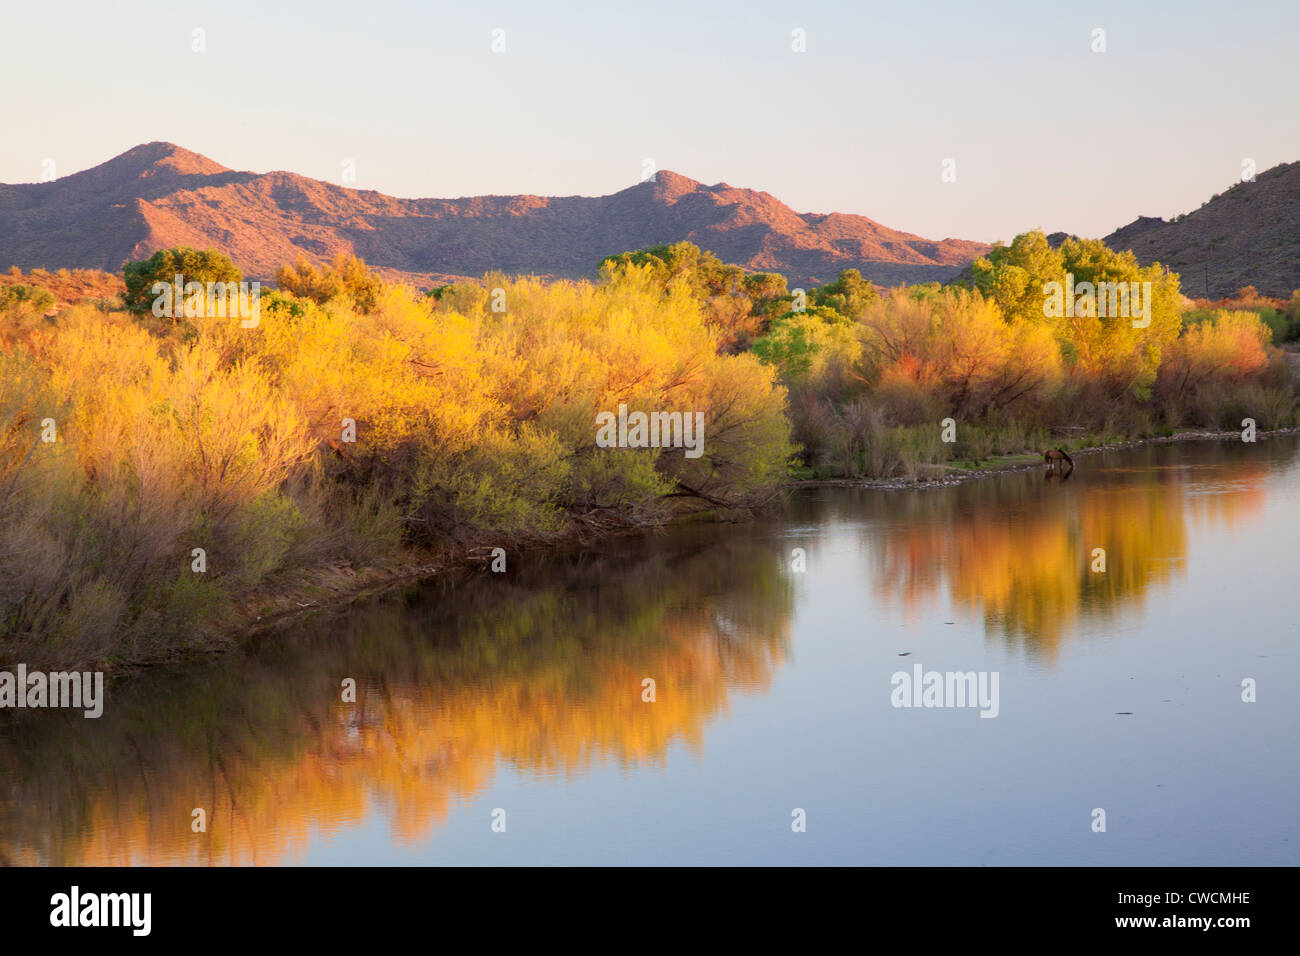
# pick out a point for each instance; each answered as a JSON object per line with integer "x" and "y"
{"x": 158, "y": 195}
{"x": 1249, "y": 235}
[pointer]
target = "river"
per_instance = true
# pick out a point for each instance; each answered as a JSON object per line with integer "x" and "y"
{"x": 508, "y": 719}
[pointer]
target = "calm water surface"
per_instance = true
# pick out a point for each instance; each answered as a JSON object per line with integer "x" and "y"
{"x": 1118, "y": 690}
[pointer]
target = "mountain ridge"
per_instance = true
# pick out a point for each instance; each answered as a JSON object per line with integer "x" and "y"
{"x": 1247, "y": 235}
{"x": 158, "y": 195}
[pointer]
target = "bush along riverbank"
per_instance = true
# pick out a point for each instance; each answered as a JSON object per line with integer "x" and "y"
{"x": 956, "y": 472}
{"x": 188, "y": 464}
{"x": 1033, "y": 347}
{"x": 160, "y": 472}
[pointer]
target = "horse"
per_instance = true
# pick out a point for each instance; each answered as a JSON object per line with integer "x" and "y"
{"x": 1056, "y": 458}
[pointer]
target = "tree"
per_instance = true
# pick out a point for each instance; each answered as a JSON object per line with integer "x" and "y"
{"x": 1292, "y": 313}
{"x": 1013, "y": 276}
{"x": 849, "y": 295}
{"x": 1229, "y": 347}
{"x": 164, "y": 266}
{"x": 765, "y": 286}
{"x": 32, "y": 298}
{"x": 703, "y": 273}
{"x": 1122, "y": 347}
{"x": 347, "y": 275}
{"x": 1113, "y": 318}
{"x": 736, "y": 303}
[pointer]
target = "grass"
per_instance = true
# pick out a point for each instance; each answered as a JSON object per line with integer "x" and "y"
{"x": 996, "y": 461}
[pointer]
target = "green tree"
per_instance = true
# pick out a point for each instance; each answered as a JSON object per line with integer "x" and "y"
{"x": 1082, "y": 291}
{"x": 31, "y": 298}
{"x": 849, "y": 295}
{"x": 1122, "y": 347}
{"x": 765, "y": 286}
{"x": 1013, "y": 276}
{"x": 164, "y": 266}
{"x": 703, "y": 273}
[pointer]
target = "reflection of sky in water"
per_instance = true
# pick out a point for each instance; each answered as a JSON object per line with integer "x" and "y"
{"x": 771, "y": 699}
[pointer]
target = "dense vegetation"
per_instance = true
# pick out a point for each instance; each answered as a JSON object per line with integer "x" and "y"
{"x": 871, "y": 377}
{"x": 359, "y": 418}
{"x": 472, "y": 417}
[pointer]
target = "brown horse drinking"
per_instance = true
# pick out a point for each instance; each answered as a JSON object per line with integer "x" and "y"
{"x": 1056, "y": 458}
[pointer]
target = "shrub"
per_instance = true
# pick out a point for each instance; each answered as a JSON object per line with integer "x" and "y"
{"x": 471, "y": 425}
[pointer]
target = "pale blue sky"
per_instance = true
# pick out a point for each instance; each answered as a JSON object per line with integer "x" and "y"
{"x": 1044, "y": 132}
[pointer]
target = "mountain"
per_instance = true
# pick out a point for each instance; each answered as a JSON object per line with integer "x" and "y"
{"x": 158, "y": 195}
{"x": 1249, "y": 235}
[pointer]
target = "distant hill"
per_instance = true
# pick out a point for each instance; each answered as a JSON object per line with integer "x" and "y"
{"x": 158, "y": 195}
{"x": 1249, "y": 235}
{"x": 69, "y": 285}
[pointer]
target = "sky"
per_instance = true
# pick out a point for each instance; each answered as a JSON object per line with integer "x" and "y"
{"x": 1042, "y": 131}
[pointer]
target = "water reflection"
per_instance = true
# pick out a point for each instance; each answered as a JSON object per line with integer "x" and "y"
{"x": 1020, "y": 551}
{"x": 541, "y": 672}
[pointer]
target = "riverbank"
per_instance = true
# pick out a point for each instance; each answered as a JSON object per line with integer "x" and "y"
{"x": 343, "y": 584}
{"x": 942, "y": 476}
{"x": 288, "y": 600}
